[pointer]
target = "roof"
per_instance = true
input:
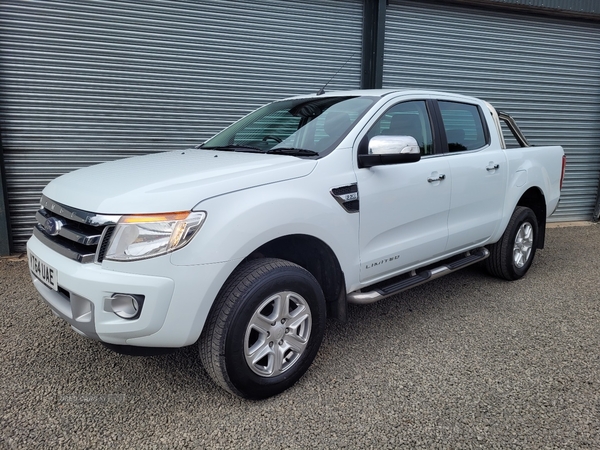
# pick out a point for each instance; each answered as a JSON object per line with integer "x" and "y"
{"x": 386, "y": 92}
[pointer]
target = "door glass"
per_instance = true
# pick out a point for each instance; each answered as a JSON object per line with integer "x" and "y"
{"x": 464, "y": 126}
{"x": 406, "y": 119}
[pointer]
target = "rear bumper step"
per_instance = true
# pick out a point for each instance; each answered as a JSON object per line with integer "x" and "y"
{"x": 395, "y": 287}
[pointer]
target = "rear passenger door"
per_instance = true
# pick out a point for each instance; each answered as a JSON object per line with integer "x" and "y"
{"x": 478, "y": 175}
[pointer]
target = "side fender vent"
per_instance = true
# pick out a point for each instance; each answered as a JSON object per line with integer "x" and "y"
{"x": 347, "y": 197}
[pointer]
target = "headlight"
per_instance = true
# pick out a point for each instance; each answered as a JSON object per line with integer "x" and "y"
{"x": 149, "y": 235}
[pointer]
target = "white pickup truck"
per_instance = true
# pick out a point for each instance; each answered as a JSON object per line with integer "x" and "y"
{"x": 248, "y": 242}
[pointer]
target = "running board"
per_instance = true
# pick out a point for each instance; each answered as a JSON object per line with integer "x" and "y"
{"x": 363, "y": 298}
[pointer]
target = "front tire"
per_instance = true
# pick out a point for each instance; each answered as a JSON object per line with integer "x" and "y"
{"x": 264, "y": 329}
{"x": 511, "y": 257}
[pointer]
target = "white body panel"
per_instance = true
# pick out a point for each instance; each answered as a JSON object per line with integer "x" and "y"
{"x": 478, "y": 193}
{"x": 405, "y": 221}
{"x": 404, "y": 218}
{"x": 173, "y": 181}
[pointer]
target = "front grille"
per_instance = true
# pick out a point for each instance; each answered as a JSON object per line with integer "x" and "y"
{"x": 72, "y": 232}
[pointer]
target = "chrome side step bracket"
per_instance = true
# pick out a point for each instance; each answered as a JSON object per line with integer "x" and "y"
{"x": 417, "y": 278}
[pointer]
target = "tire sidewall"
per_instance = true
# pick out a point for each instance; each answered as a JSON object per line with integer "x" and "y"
{"x": 289, "y": 278}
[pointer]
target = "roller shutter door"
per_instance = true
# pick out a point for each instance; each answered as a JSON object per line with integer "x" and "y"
{"x": 543, "y": 71}
{"x": 86, "y": 82}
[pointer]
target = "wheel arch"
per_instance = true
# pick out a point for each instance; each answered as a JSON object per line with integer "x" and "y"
{"x": 318, "y": 258}
{"x": 533, "y": 198}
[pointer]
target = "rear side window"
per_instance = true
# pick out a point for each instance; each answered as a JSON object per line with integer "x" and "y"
{"x": 464, "y": 126}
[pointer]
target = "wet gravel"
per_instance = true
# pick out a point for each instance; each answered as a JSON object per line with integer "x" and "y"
{"x": 466, "y": 361}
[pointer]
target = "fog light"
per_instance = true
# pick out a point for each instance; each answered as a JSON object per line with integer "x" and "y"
{"x": 127, "y": 306}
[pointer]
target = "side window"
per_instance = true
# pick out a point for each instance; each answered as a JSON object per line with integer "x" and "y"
{"x": 464, "y": 126}
{"x": 406, "y": 119}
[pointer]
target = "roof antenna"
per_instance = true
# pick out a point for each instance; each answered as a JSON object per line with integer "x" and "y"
{"x": 322, "y": 90}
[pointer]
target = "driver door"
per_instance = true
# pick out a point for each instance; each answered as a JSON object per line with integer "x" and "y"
{"x": 403, "y": 207}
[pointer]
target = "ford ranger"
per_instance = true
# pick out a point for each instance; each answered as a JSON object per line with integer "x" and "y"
{"x": 248, "y": 242}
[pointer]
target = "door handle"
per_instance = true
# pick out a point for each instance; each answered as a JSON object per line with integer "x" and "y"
{"x": 440, "y": 177}
{"x": 492, "y": 166}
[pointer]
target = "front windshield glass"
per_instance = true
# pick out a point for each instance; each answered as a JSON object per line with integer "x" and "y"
{"x": 300, "y": 127}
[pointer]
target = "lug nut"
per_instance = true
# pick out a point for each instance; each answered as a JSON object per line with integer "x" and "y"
{"x": 271, "y": 344}
{"x": 287, "y": 330}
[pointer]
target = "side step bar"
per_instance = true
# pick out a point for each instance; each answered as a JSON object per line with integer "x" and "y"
{"x": 416, "y": 279}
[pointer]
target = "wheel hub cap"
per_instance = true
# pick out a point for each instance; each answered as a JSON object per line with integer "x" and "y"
{"x": 523, "y": 245}
{"x": 277, "y": 334}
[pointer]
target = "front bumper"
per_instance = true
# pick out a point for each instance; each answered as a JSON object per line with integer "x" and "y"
{"x": 176, "y": 298}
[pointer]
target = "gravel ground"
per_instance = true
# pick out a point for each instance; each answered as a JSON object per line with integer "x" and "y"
{"x": 466, "y": 361}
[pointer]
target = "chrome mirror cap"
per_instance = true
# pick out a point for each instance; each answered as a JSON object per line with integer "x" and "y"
{"x": 388, "y": 145}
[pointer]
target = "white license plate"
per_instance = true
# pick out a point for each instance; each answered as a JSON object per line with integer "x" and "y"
{"x": 44, "y": 272}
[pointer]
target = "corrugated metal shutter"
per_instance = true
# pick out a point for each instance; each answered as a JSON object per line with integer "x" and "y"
{"x": 543, "y": 71}
{"x": 584, "y": 6}
{"x": 86, "y": 82}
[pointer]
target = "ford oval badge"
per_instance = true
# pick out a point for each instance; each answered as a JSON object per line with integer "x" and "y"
{"x": 52, "y": 226}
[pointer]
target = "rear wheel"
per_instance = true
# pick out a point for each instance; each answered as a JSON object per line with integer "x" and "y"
{"x": 511, "y": 257}
{"x": 264, "y": 329}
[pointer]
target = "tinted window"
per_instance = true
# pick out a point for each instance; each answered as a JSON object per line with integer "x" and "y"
{"x": 406, "y": 119}
{"x": 464, "y": 126}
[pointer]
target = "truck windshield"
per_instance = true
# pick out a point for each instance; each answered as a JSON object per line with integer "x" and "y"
{"x": 308, "y": 127}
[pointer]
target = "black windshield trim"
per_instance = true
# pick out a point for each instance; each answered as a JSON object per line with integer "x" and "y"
{"x": 233, "y": 148}
{"x": 291, "y": 151}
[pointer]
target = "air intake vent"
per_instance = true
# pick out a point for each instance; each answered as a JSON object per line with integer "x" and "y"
{"x": 108, "y": 232}
{"x": 347, "y": 197}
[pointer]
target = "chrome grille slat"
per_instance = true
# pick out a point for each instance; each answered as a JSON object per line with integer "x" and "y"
{"x": 68, "y": 233}
{"x": 63, "y": 250}
{"x": 78, "y": 215}
{"x": 80, "y": 233}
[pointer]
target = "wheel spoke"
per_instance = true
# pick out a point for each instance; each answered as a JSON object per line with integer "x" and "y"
{"x": 279, "y": 307}
{"x": 298, "y": 319}
{"x": 261, "y": 323}
{"x": 295, "y": 342}
{"x": 262, "y": 359}
{"x": 297, "y": 323}
{"x": 278, "y": 360}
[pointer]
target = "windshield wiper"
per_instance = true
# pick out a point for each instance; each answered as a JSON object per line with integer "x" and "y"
{"x": 292, "y": 151}
{"x": 234, "y": 148}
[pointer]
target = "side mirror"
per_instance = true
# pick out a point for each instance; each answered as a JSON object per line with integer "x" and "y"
{"x": 384, "y": 150}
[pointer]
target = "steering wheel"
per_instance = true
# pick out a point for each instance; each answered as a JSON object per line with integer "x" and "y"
{"x": 275, "y": 138}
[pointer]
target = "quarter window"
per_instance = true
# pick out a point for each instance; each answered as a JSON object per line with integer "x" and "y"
{"x": 464, "y": 126}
